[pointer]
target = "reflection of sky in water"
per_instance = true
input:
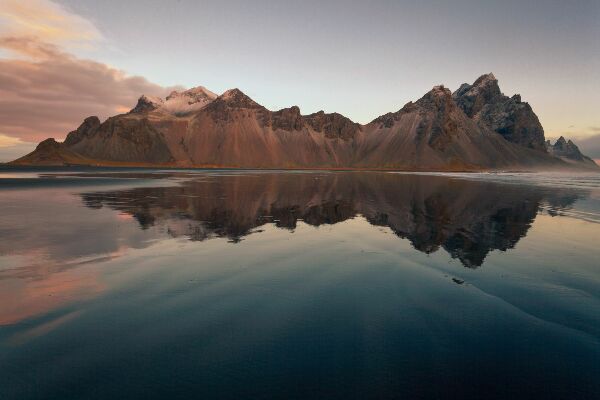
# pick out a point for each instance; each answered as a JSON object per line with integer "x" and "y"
{"x": 367, "y": 284}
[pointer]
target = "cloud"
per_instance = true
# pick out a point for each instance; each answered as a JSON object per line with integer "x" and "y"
{"x": 590, "y": 146}
{"x": 47, "y": 20}
{"x": 12, "y": 148}
{"x": 8, "y": 141}
{"x": 45, "y": 90}
{"x": 51, "y": 92}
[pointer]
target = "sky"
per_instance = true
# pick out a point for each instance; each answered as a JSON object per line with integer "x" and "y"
{"x": 64, "y": 60}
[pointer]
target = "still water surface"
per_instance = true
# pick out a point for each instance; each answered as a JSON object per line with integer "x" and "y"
{"x": 247, "y": 284}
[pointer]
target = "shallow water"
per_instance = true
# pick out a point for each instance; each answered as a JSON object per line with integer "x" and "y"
{"x": 124, "y": 283}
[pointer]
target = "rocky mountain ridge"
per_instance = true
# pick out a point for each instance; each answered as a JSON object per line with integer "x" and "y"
{"x": 509, "y": 116}
{"x": 568, "y": 151}
{"x": 474, "y": 128}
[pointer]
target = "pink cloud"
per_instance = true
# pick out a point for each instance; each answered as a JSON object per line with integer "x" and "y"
{"x": 47, "y": 92}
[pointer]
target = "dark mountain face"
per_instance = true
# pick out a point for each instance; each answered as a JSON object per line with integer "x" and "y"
{"x": 434, "y": 133}
{"x": 333, "y": 125}
{"x": 473, "y": 98}
{"x": 124, "y": 139}
{"x": 86, "y": 129}
{"x": 476, "y": 128}
{"x": 509, "y": 116}
{"x": 287, "y": 119}
{"x": 146, "y": 104}
{"x": 467, "y": 219}
{"x": 443, "y": 120}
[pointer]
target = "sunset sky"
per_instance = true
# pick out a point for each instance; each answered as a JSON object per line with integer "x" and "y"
{"x": 61, "y": 61}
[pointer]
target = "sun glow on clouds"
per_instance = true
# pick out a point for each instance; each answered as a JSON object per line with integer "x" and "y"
{"x": 8, "y": 141}
{"x": 13, "y": 147}
{"x": 55, "y": 89}
{"x": 46, "y": 20}
{"x": 122, "y": 109}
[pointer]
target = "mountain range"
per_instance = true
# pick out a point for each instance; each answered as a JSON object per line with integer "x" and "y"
{"x": 475, "y": 128}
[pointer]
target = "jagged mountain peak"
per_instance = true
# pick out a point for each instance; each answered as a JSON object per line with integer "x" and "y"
{"x": 197, "y": 92}
{"x": 561, "y": 141}
{"x": 486, "y": 79}
{"x": 237, "y": 99}
{"x": 188, "y": 101}
{"x": 293, "y": 111}
{"x": 176, "y": 103}
{"x": 232, "y": 93}
{"x": 509, "y": 116}
{"x": 287, "y": 119}
{"x": 439, "y": 91}
{"x": 334, "y": 125}
{"x": 486, "y": 84}
{"x": 147, "y": 103}
{"x": 473, "y": 98}
{"x": 568, "y": 151}
{"x": 87, "y": 127}
{"x": 438, "y": 98}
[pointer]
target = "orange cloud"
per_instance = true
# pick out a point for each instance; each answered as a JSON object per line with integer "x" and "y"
{"x": 8, "y": 141}
{"x": 47, "y": 20}
{"x": 45, "y": 91}
{"x": 50, "y": 92}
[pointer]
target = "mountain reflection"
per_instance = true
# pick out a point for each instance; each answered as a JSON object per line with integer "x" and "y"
{"x": 466, "y": 218}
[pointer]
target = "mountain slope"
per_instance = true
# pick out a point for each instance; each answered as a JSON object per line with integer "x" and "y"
{"x": 434, "y": 133}
{"x": 127, "y": 138}
{"x": 50, "y": 153}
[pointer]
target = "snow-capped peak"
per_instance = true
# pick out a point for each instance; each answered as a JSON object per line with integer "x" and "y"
{"x": 198, "y": 92}
{"x": 147, "y": 103}
{"x": 177, "y": 103}
{"x": 154, "y": 100}
{"x": 194, "y": 99}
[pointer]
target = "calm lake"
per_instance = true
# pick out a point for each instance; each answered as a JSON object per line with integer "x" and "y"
{"x": 144, "y": 284}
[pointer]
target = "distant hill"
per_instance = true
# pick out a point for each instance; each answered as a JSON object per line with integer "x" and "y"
{"x": 50, "y": 152}
{"x": 568, "y": 152}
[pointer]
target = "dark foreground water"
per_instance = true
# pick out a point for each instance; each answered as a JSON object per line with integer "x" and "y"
{"x": 145, "y": 284}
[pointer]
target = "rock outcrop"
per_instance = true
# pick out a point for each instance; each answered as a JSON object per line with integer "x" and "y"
{"x": 333, "y": 125}
{"x": 509, "y": 116}
{"x": 146, "y": 104}
{"x": 85, "y": 130}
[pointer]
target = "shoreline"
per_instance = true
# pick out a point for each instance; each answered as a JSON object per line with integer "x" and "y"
{"x": 333, "y": 169}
